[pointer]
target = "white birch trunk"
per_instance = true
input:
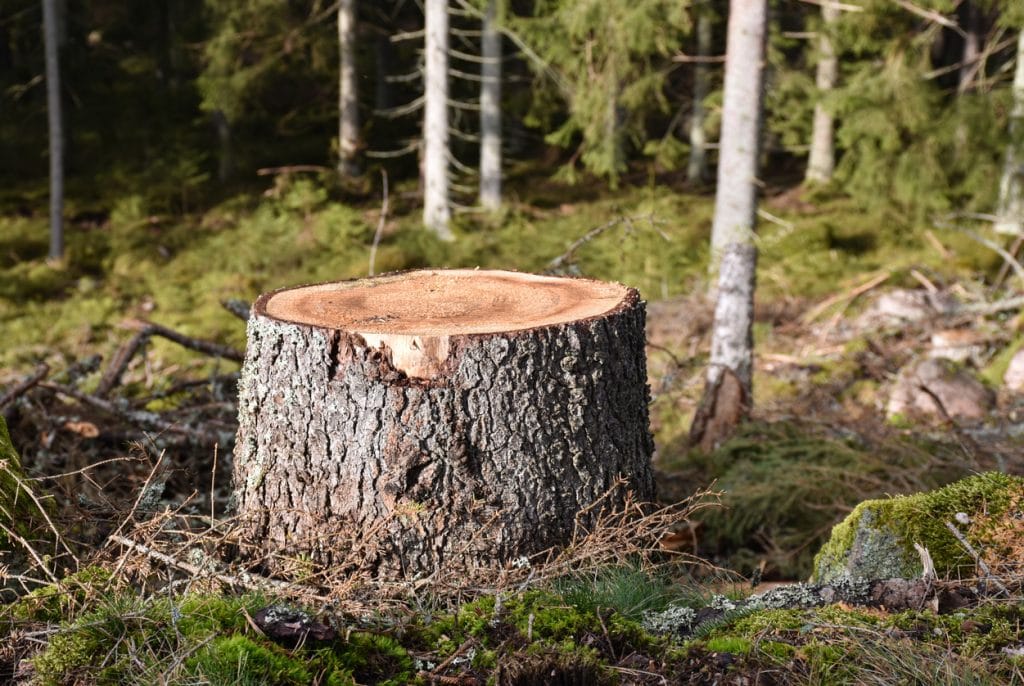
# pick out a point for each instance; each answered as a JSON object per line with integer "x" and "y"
{"x": 51, "y": 35}
{"x": 348, "y": 103}
{"x": 1010, "y": 215}
{"x": 736, "y": 193}
{"x": 697, "y": 166}
{"x": 490, "y": 112}
{"x": 822, "y": 161}
{"x": 436, "y": 209}
{"x": 732, "y": 342}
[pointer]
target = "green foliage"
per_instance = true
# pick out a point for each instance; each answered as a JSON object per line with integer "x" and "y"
{"x": 629, "y": 591}
{"x": 239, "y": 660}
{"x": 610, "y": 84}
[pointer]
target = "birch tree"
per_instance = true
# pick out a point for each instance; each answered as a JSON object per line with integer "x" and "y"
{"x": 697, "y": 165}
{"x": 348, "y": 102}
{"x": 51, "y": 23}
{"x": 822, "y": 161}
{"x": 1010, "y": 214}
{"x": 726, "y": 399}
{"x": 436, "y": 203}
{"x": 490, "y": 111}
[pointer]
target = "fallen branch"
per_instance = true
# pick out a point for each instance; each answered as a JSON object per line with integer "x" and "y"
{"x": 243, "y": 580}
{"x": 135, "y": 416}
{"x": 237, "y": 307}
{"x": 24, "y": 386}
{"x": 977, "y": 558}
{"x": 820, "y": 308}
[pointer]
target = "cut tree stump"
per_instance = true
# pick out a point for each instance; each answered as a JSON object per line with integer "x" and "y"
{"x": 410, "y": 422}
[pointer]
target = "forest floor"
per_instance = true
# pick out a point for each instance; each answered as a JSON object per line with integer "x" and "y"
{"x": 117, "y": 380}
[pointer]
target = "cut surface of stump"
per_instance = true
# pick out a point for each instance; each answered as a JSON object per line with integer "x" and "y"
{"x": 416, "y": 420}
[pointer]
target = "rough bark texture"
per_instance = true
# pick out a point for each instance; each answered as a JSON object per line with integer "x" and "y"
{"x": 436, "y": 208}
{"x": 342, "y": 458}
{"x": 490, "y": 112}
{"x": 736, "y": 194}
{"x": 51, "y": 31}
{"x": 697, "y": 165}
{"x": 348, "y": 104}
{"x": 822, "y": 159}
{"x": 1010, "y": 217}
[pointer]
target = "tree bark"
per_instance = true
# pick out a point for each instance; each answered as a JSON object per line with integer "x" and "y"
{"x": 436, "y": 204}
{"x": 739, "y": 147}
{"x": 822, "y": 159}
{"x": 490, "y": 112}
{"x": 348, "y": 101}
{"x": 1010, "y": 213}
{"x": 726, "y": 400}
{"x": 697, "y": 165}
{"x": 437, "y": 420}
{"x": 55, "y": 120}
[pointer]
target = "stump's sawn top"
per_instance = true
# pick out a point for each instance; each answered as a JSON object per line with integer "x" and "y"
{"x": 414, "y": 314}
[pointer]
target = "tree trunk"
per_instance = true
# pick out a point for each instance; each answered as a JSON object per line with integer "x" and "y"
{"x": 726, "y": 400}
{"x": 51, "y": 31}
{"x": 348, "y": 101}
{"x": 437, "y": 419}
{"x": 736, "y": 193}
{"x": 436, "y": 206}
{"x": 384, "y": 57}
{"x": 225, "y": 157}
{"x": 971, "y": 23}
{"x": 697, "y": 166}
{"x": 822, "y": 160}
{"x": 490, "y": 112}
{"x": 1010, "y": 214}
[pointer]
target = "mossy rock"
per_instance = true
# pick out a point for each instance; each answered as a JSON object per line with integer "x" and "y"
{"x": 876, "y": 541}
{"x": 18, "y": 509}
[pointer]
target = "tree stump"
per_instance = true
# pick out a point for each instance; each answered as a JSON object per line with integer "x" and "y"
{"x": 432, "y": 418}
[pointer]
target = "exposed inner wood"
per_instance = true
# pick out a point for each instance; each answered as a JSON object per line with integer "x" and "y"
{"x": 414, "y": 314}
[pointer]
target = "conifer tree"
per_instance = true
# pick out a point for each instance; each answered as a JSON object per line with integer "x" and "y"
{"x": 436, "y": 201}
{"x": 348, "y": 102}
{"x": 608, "y": 60}
{"x": 51, "y": 22}
{"x": 821, "y": 161}
{"x": 490, "y": 110}
{"x": 697, "y": 165}
{"x": 726, "y": 399}
{"x": 1010, "y": 214}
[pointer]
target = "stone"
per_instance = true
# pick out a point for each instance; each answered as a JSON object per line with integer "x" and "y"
{"x": 959, "y": 345}
{"x": 876, "y": 541}
{"x": 901, "y": 306}
{"x": 938, "y": 387}
{"x": 1013, "y": 379}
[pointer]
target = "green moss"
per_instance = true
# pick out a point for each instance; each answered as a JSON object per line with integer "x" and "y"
{"x": 877, "y": 538}
{"x": 376, "y": 659}
{"x": 238, "y": 660}
{"x": 729, "y": 644}
{"x": 995, "y": 370}
{"x": 56, "y": 602}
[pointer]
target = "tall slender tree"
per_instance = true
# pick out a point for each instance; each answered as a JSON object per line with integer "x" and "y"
{"x": 490, "y": 110}
{"x": 51, "y": 39}
{"x": 822, "y": 160}
{"x": 348, "y": 102}
{"x": 726, "y": 399}
{"x": 1010, "y": 214}
{"x": 697, "y": 165}
{"x": 436, "y": 202}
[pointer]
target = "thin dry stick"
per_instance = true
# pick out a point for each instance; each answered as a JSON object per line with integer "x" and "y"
{"x": 24, "y": 386}
{"x": 820, "y": 308}
{"x": 30, "y": 550}
{"x": 22, "y": 488}
{"x": 977, "y": 558}
{"x": 380, "y": 223}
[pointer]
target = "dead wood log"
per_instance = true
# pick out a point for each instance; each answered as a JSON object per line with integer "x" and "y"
{"x": 434, "y": 417}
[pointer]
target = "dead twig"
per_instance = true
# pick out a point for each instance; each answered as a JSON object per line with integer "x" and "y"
{"x": 821, "y": 307}
{"x": 237, "y": 307}
{"x": 977, "y": 558}
{"x": 24, "y": 386}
